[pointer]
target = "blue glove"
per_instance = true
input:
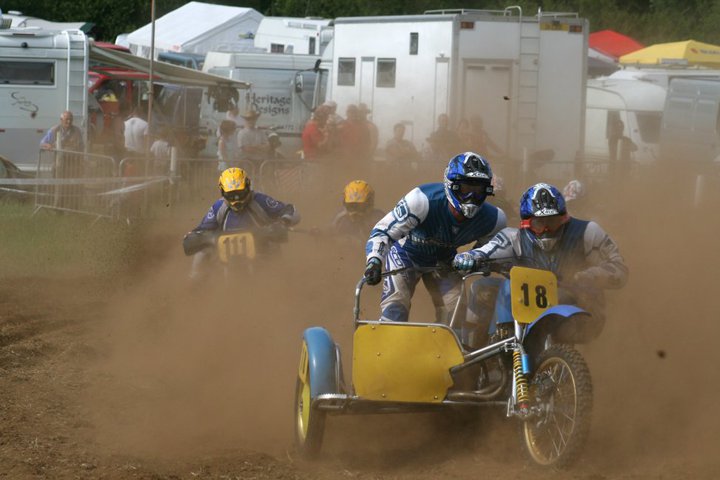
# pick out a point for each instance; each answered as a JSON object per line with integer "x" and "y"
{"x": 465, "y": 262}
{"x": 372, "y": 271}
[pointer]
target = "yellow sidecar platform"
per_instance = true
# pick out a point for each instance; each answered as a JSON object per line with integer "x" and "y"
{"x": 404, "y": 362}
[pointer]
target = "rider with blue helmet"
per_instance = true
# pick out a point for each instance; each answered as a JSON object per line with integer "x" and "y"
{"x": 584, "y": 257}
{"x": 423, "y": 233}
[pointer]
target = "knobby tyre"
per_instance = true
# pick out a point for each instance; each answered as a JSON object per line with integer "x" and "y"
{"x": 562, "y": 387}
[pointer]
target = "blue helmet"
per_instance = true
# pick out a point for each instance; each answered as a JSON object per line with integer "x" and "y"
{"x": 542, "y": 200}
{"x": 468, "y": 181}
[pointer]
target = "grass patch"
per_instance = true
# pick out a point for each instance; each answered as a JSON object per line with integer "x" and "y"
{"x": 49, "y": 243}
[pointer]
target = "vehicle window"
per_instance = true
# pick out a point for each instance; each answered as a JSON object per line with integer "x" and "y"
{"x": 414, "y": 43}
{"x": 649, "y": 124}
{"x": 346, "y": 71}
{"x": 27, "y": 73}
{"x": 386, "y": 72}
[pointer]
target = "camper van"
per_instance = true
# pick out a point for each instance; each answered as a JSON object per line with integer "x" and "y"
{"x": 283, "y": 91}
{"x": 691, "y": 121}
{"x": 524, "y": 75}
{"x": 42, "y": 73}
{"x": 623, "y": 108}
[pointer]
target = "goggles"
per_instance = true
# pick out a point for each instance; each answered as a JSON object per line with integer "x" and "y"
{"x": 237, "y": 196}
{"x": 541, "y": 225}
{"x": 472, "y": 193}
{"x": 356, "y": 207}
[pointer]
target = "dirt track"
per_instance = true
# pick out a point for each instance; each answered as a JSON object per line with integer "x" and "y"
{"x": 145, "y": 376}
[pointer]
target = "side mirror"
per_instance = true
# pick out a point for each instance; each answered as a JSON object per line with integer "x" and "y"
{"x": 298, "y": 83}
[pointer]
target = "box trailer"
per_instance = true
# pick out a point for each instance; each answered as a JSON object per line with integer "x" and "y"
{"x": 525, "y": 76}
{"x": 42, "y": 74}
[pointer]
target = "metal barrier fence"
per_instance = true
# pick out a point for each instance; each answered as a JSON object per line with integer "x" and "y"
{"x": 96, "y": 185}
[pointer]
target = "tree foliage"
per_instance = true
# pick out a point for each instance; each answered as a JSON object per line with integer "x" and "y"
{"x": 648, "y": 21}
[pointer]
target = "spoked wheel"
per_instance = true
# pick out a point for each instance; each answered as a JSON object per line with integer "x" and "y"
{"x": 309, "y": 422}
{"x": 562, "y": 389}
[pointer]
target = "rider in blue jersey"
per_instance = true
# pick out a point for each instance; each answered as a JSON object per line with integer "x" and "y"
{"x": 584, "y": 258}
{"x": 240, "y": 209}
{"x": 423, "y": 233}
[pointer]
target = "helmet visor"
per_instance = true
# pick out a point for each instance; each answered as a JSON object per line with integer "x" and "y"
{"x": 541, "y": 225}
{"x": 237, "y": 197}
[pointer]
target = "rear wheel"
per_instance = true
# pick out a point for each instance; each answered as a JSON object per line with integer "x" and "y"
{"x": 309, "y": 422}
{"x": 561, "y": 387}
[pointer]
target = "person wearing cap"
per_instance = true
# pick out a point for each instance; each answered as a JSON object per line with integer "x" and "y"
{"x": 254, "y": 146}
{"x": 315, "y": 136}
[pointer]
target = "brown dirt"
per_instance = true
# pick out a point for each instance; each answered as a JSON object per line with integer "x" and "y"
{"x": 147, "y": 376}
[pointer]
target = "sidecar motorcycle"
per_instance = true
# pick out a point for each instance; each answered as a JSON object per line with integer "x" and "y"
{"x": 529, "y": 368}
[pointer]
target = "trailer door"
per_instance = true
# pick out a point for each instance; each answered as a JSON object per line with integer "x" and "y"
{"x": 367, "y": 80}
{"x": 486, "y": 93}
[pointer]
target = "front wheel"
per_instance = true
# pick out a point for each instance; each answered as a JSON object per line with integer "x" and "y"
{"x": 561, "y": 390}
{"x": 309, "y": 422}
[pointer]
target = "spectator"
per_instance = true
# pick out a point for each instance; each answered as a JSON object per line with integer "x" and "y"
{"x": 399, "y": 150}
{"x": 355, "y": 141}
{"x": 333, "y": 118}
{"x": 228, "y": 149}
{"x": 443, "y": 141}
{"x": 253, "y": 142}
{"x": 480, "y": 141}
{"x": 372, "y": 128}
{"x": 64, "y": 136}
{"x": 161, "y": 150}
{"x": 136, "y": 133}
{"x": 315, "y": 137}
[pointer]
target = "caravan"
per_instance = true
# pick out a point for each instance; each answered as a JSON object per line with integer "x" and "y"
{"x": 624, "y": 108}
{"x": 42, "y": 73}
{"x": 691, "y": 121}
{"x": 525, "y": 76}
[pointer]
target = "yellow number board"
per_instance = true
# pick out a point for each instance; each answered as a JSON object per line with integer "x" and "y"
{"x": 236, "y": 245}
{"x": 532, "y": 292}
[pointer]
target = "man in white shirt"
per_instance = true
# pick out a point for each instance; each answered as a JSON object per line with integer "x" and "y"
{"x": 136, "y": 131}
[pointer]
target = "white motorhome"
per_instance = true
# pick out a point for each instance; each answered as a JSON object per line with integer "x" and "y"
{"x": 637, "y": 104}
{"x": 307, "y": 36}
{"x": 283, "y": 89}
{"x": 691, "y": 120}
{"x": 525, "y": 76}
{"x": 42, "y": 73}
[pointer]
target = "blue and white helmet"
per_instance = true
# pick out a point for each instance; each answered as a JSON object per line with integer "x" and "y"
{"x": 543, "y": 214}
{"x": 542, "y": 200}
{"x": 468, "y": 182}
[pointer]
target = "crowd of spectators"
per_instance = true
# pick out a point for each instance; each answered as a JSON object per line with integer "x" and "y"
{"x": 330, "y": 139}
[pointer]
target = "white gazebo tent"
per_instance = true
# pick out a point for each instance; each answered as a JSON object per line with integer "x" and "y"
{"x": 198, "y": 28}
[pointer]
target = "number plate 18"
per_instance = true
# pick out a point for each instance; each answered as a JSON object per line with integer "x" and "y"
{"x": 532, "y": 291}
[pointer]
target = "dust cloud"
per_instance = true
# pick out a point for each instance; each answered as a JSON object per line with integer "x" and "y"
{"x": 193, "y": 369}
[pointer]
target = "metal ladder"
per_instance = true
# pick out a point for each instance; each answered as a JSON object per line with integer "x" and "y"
{"x": 528, "y": 81}
{"x": 77, "y": 67}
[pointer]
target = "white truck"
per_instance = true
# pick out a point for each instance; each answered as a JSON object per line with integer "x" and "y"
{"x": 282, "y": 90}
{"x": 42, "y": 73}
{"x": 525, "y": 76}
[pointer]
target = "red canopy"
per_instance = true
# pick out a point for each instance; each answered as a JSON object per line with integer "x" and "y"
{"x": 612, "y": 43}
